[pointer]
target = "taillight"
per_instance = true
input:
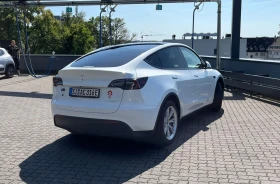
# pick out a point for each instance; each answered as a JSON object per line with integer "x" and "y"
{"x": 57, "y": 81}
{"x": 129, "y": 84}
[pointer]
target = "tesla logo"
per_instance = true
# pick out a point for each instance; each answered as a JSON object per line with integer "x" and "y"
{"x": 110, "y": 93}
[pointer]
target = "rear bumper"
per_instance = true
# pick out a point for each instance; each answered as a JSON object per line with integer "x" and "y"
{"x": 100, "y": 127}
{"x": 136, "y": 117}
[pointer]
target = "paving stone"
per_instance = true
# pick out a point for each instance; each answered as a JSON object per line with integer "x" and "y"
{"x": 240, "y": 144}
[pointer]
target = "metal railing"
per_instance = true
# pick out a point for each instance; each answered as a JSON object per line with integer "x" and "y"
{"x": 255, "y": 84}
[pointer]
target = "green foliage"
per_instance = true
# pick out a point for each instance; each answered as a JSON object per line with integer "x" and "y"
{"x": 72, "y": 35}
{"x": 120, "y": 34}
{"x": 82, "y": 39}
{"x": 8, "y": 26}
{"x": 45, "y": 34}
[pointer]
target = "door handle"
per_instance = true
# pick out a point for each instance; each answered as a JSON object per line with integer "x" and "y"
{"x": 195, "y": 75}
{"x": 174, "y": 77}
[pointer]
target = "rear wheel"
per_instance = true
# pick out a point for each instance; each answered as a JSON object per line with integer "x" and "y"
{"x": 218, "y": 98}
{"x": 167, "y": 124}
{"x": 10, "y": 71}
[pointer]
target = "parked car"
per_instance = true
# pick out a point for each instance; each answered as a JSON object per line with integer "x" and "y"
{"x": 7, "y": 65}
{"x": 134, "y": 90}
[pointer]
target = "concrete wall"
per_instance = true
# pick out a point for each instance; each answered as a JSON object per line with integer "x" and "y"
{"x": 206, "y": 46}
{"x": 249, "y": 66}
{"x": 256, "y": 67}
{"x": 41, "y": 62}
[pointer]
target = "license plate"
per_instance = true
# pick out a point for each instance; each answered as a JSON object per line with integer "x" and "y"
{"x": 83, "y": 92}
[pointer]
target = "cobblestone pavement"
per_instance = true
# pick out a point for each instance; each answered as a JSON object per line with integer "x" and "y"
{"x": 241, "y": 144}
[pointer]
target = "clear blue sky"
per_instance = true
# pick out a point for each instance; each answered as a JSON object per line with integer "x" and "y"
{"x": 259, "y": 18}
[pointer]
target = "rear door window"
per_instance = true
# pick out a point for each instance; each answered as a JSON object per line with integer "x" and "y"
{"x": 171, "y": 58}
{"x": 113, "y": 57}
{"x": 1, "y": 52}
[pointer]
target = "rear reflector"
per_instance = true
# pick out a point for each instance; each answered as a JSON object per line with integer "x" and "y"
{"x": 129, "y": 84}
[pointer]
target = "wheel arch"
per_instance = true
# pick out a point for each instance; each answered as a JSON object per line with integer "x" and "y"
{"x": 173, "y": 97}
{"x": 221, "y": 81}
{"x": 7, "y": 66}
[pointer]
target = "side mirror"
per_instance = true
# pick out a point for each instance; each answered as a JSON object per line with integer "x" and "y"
{"x": 208, "y": 65}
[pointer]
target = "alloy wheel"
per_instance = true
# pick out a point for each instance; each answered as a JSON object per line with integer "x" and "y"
{"x": 170, "y": 123}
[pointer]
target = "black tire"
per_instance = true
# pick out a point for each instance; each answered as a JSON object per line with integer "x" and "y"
{"x": 10, "y": 70}
{"x": 160, "y": 139}
{"x": 218, "y": 98}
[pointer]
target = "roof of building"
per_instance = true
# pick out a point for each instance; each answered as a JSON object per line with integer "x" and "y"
{"x": 275, "y": 45}
{"x": 259, "y": 44}
{"x": 200, "y": 34}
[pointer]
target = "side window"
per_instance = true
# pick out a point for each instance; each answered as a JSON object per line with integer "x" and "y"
{"x": 154, "y": 60}
{"x": 191, "y": 58}
{"x": 171, "y": 58}
{"x": 1, "y": 53}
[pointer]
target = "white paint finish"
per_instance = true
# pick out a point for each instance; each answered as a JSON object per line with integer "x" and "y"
{"x": 138, "y": 117}
{"x": 203, "y": 87}
{"x": 157, "y": 85}
{"x": 137, "y": 108}
{"x": 5, "y": 60}
{"x": 182, "y": 82}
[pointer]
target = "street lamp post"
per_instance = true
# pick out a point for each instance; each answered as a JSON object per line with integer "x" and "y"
{"x": 100, "y": 24}
{"x": 110, "y": 26}
{"x": 195, "y": 8}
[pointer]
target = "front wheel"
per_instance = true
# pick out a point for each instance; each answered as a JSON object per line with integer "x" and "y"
{"x": 167, "y": 124}
{"x": 218, "y": 98}
{"x": 10, "y": 71}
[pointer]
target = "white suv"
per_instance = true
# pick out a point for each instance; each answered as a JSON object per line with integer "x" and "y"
{"x": 7, "y": 64}
{"x": 134, "y": 90}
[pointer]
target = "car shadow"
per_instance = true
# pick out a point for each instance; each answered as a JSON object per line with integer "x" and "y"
{"x": 84, "y": 159}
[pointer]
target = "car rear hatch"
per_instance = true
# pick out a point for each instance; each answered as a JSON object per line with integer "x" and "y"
{"x": 86, "y": 90}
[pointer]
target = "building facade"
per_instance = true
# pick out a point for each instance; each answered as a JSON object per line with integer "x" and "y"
{"x": 208, "y": 47}
{"x": 257, "y": 47}
{"x": 274, "y": 50}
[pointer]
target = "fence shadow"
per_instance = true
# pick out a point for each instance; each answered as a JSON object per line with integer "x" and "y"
{"x": 238, "y": 94}
{"x": 26, "y": 95}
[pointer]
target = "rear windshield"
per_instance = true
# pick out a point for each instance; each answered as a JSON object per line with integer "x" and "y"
{"x": 112, "y": 57}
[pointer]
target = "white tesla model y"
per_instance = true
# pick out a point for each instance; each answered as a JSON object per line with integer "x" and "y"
{"x": 134, "y": 90}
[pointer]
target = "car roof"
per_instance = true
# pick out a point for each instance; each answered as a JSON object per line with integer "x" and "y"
{"x": 133, "y": 44}
{"x": 130, "y": 44}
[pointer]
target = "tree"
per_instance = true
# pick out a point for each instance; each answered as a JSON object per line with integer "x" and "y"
{"x": 120, "y": 34}
{"x": 8, "y": 26}
{"x": 77, "y": 36}
{"x": 69, "y": 18}
{"x": 45, "y": 34}
{"x": 73, "y": 35}
{"x": 77, "y": 39}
